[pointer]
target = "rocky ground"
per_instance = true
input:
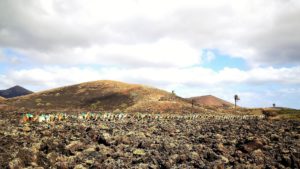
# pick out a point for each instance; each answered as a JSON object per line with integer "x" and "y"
{"x": 149, "y": 144}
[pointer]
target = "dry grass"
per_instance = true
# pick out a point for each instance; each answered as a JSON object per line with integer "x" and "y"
{"x": 289, "y": 114}
{"x": 278, "y": 113}
{"x": 2, "y": 99}
{"x": 103, "y": 95}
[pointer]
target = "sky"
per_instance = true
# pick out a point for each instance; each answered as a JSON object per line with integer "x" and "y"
{"x": 217, "y": 47}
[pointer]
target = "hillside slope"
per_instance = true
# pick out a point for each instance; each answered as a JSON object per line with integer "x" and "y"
{"x": 105, "y": 96}
{"x": 2, "y": 98}
{"x": 2, "y": 103}
{"x": 14, "y": 92}
{"x": 210, "y": 100}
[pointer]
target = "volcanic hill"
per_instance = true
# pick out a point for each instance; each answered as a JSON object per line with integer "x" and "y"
{"x": 105, "y": 95}
{"x": 14, "y": 92}
{"x": 212, "y": 101}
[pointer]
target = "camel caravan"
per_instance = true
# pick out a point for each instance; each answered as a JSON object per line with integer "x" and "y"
{"x": 114, "y": 117}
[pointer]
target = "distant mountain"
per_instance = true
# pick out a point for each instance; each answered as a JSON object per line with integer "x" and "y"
{"x": 14, "y": 92}
{"x": 210, "y": 100}
{"x": 106, "y": 95}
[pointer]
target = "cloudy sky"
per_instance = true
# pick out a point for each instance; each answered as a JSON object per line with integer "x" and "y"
{"x": 218, "y": 47}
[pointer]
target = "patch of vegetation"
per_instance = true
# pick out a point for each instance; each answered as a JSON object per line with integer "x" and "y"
{"x": 93, "y": 106}
{"x": 117, "y": 111}
{"x": 40, "y": 104}
{"x": 96, "y": 105}
{"x": 39, "y": 100}
{"x": 124, "y": 105}
{"x": 133, "y": 94}
{"x": 282, "y": 113}
{"x": 255, "y": 111}
{"x": 289, "y": 114}
{"x": 288, "y": 111}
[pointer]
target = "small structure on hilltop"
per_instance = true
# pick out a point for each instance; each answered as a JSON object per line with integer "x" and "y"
{"x": 236, "y": 99}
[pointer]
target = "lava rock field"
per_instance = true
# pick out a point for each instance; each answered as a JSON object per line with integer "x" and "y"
{"x": 172, "y": 143}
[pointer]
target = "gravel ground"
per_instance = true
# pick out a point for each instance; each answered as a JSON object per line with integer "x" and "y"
{"x": 170, "y": 143}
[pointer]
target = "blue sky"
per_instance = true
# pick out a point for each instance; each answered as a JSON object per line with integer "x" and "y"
{"x": 218, "y": 61}
{"x": 249, "y": 48}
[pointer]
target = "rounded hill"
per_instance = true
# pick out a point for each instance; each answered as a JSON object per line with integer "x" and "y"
{"x": 105, "y": 95}
{"x": 211, "y": 101}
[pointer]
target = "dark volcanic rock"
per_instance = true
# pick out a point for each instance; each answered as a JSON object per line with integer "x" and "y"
{"x": 149, "y": 144}
{"x": 252, "y": 145}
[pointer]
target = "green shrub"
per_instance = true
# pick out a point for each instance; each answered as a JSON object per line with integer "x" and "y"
{"x": 40, "y": 104}
{"x": 93, "y": 106}
{"x": 38, "y": 100}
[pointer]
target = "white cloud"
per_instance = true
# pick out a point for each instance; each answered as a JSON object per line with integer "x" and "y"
{"x": 160, "y": 77}
{"x": 151, "y": 42}
{"x": 166, "y": 52}
{"x": 262, "y": 32}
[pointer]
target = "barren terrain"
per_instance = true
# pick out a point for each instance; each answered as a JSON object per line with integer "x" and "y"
{"x": 149, "y": 143}
{"x": 137, "y": 126}
{"x": 212, "y": 101}
{"x": 104, "y": 95}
